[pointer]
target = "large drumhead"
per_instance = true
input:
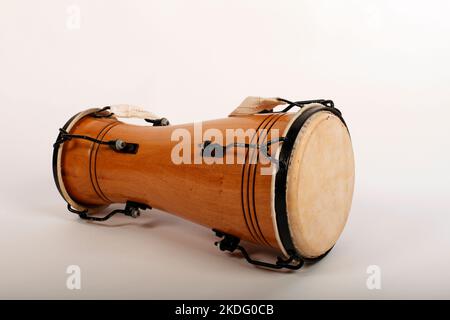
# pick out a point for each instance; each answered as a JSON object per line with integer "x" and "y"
{"x": 319, "y": 186}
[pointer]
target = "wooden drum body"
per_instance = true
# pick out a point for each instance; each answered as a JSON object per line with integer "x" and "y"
{"x": 299, "y": 207}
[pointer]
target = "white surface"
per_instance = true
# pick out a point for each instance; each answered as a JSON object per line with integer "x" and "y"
{"x": 384, "y": 63}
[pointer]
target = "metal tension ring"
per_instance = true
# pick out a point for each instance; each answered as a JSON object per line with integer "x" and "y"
{"x": 117, "y": 145}
{"x": 231, "y": 243}
{"x": 132, "y": 209}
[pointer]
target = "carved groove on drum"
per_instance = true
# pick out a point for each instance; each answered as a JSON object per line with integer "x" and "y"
{"x": 93, "y": 162}
{"x": 248, "y": 185}
{"x": 254, "y": 166}
{"x": 245, "y": 186}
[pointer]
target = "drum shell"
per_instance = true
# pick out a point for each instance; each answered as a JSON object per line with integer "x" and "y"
{"x": 234, "y": 198}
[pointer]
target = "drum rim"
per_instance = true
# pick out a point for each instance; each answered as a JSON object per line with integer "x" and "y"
{"x": 56, "y": 163}
{"x": 280, "y": 184}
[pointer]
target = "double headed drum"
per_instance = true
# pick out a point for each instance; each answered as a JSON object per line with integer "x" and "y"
{"x": 296, "y": 202}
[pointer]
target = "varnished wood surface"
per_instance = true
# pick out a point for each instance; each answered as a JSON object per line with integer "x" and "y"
{"x": 234, "y": 198}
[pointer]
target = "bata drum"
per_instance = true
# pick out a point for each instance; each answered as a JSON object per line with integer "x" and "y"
{"x": 280, "y": 179}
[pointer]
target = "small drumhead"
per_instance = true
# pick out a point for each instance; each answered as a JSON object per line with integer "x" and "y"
{"x": 320, "y": 184}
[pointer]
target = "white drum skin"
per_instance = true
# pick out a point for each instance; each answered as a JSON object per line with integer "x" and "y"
{"x": 320, "y": 184}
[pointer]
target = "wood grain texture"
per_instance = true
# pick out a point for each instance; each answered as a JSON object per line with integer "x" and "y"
{"x": 234, "y": 198}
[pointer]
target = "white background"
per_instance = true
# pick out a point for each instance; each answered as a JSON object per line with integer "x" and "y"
{"x": 384, "y": 63}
